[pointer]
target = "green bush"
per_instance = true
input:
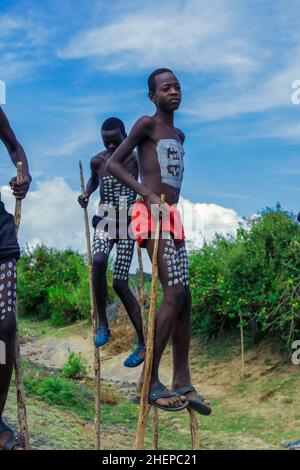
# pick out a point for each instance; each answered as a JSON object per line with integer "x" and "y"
{"x": 58, "y": 391}
{"x": 53, "y": 284}
{"x": 75, "y": 366}
{"x": 254, "y": 277}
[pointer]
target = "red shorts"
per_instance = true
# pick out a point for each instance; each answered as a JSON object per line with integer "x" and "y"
{"x": 144, "y": 225}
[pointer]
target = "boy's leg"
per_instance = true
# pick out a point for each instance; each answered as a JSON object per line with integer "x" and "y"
{"x": 8, "y": 282}
{"x": 102, "y": 246}
{"x": 181, "y": 342}
{"x": 182, "y": 327}
{"x": 125, "y": 249}
{"x": 172, "y": 304}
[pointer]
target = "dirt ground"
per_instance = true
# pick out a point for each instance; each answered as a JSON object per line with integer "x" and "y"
{"x": 265, "y": 399}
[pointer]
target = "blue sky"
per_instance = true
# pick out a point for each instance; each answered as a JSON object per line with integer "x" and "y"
{"x": 69, "y": 65}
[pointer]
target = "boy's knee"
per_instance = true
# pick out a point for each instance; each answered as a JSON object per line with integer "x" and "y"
{"x": 99, "y": 264}
{"x": 176, "y": 295}
{"x": 120, "y": 287}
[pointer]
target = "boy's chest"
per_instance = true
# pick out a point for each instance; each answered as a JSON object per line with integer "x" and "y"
{"x": 168, "y": 153}
{"x": 130, "y": 165}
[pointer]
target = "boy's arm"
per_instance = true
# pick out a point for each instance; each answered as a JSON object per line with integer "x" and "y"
{"x": 17, "y": 154}
{"x": 91, "y": 186}
{"x": 140, "y": 131}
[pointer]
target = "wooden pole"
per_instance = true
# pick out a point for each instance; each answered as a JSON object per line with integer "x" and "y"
{"x": 142, "y": 304}
{"x": 22, "y": 414}
{"x": 242, "y": 345}
{"x": 155, "y": 428}
{"x": 18, "y": 208}
{"x": 194, "y": 427}
{"x": 194, "y": 424}
{"x": 97, "y": 364}
{"x": 142, "y": 292}
{"x": 144, "y": 405}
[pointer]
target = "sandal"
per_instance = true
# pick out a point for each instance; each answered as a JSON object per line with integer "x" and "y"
{"x": 197, "y": 404}
{"x": 134, "y": 360}
{"x": 102, "y": 338}
{"x": 162, "y": 392}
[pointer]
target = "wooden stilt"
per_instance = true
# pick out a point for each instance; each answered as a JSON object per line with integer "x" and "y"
{"x": 142, "y": 292}
{"x": 194, "y": 427}
{"x": 142, "y": 304}
{"x": 97, "y": 363}
{"x": 155, "y": 428}
{"x": 242, "y": 345}
{"x": 144, "y": 405}
{"x": 18, "y": 208}
{"x": 194, "y": 424}
{"x": 22, "y": 413}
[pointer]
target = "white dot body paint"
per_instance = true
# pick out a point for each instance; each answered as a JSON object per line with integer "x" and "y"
{"x": 7, "y": 290}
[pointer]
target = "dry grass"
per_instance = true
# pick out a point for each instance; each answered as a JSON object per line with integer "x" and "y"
{"x": 109, "y": 395}
{"x": 122, "y": 333}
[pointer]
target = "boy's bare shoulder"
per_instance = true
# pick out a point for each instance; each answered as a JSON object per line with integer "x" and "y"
{"x": 145, "y": 123}
{"x": 98, "y": 159}
{"x": 181, "y": 135}
{"x": 147, "y": 120}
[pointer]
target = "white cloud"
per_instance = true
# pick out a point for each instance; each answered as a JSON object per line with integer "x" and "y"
{"x": 273, "y": 91}
{"x": 70, "y": 141}
{"x": 52, "y": 216}
{"x": 77, "y": 123}
{"x": 289, "y": 130}
{"x": 21, "y": 43}
{"x": 195, "y": 35}
{"x": 251, "y": 68}
{"x": 9, "y": 25}
{"x": 203, "y": 221}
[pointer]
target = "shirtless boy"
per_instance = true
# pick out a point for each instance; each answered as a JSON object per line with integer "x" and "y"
{"x": 9, "y": 255}
{"x": 114, "y": 196}
{"x": 160, "y": 158}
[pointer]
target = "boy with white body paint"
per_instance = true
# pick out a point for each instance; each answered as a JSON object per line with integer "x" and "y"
{"x": 9, "y": 255}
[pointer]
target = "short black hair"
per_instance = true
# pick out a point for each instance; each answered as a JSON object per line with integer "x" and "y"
{"x": 151, "y": 79}
{"x": 112, "y": 124}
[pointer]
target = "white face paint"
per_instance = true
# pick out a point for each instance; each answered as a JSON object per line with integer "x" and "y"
{"x": 170, "y": 157}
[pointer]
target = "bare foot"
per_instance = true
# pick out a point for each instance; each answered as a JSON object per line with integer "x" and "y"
{"x": 169, "y": 401}
{"x": 194, "y": 395}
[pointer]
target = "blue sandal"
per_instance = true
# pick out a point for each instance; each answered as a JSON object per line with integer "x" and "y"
{"x": 134, "y": 360}
{"x": 102, "y": 338}
{"x": 291, "y": 445}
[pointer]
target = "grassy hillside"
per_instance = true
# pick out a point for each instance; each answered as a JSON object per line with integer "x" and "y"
{"x": 255, "y": 413}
